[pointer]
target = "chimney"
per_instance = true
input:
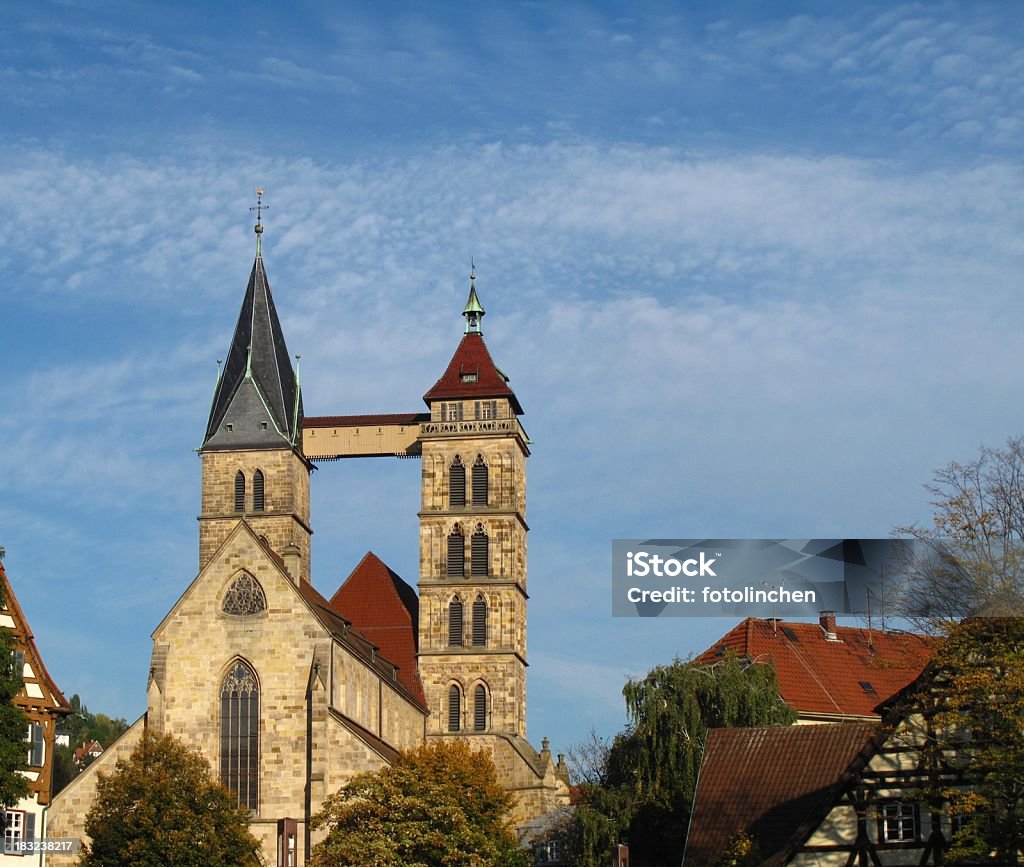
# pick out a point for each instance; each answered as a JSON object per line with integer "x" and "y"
{"x": 292, "y": 559}
{"x": 827, "y": 621}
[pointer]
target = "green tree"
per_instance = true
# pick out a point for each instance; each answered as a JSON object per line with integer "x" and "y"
{"x": 650, "y": 778}
{"x": 161, "y": 807}
{"x": 13, "y": 724}
{"x": 439, "y": 804}
{"x": 82, "y": 726}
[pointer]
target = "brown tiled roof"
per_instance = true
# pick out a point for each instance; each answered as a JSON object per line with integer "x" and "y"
{"x": 385, "y": 610}
{"x": 408, "y": 418}
{"x": 774, "y": 783}
{"x": 848, "y": 677}
{"x": 472, "y": 357}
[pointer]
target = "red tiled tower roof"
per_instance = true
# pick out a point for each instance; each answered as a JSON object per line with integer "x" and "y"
{"x": 774, "y": 783}
{"x": 843, "y": 677}
{"x": 385, "y": 610}
{"x": 472, "y": 373}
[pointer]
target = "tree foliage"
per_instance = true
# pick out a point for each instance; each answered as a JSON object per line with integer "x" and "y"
{"x": 82, "y": 727}
{"x": 973, "y": 554}
{"x": 13, "y": 723}
{"x": 439, "y": 805}
{"x": 161, "y": 807}
{"x": 651, "y": 775}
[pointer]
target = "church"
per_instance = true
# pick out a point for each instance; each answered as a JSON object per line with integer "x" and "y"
{"x": 289, "y": 692}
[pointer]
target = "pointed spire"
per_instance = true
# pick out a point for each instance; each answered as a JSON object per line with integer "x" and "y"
{"x": 474, "y": 310}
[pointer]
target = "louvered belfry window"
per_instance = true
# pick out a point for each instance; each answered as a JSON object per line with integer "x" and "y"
{"x": 479, "y": 551}
{"x": 239, "y": 491}
{"x": 240, "y": 734}
{"x": 479, "y": 622}
{"x": 455, "y": 623}
{"x": 456, "y": 553}
{"x": 480, "y": 708}
{"x": 454, "y": 709}
{"x": 257, "y": 491}
{"x": 457, "y": 483}
{"x": 479, "y": 482}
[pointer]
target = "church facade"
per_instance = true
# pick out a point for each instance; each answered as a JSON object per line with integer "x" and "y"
{"x": 290, "y": 693}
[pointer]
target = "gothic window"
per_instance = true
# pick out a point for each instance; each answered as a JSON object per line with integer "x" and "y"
{"x": 240, "y": 734}
{"x": 457, "y": 483}
{"x": 455, "y": 623}
{"x": 478, "y": 551}
{"x": 480, "y": 708}
{"x": 479, "y": 482}
{"x": 456, "y": 552}
{"x": 239, "y": 491}
{"x": 257, "y": 491}
{"x": 454, "y": 709}
{"x": 244, "y": 596}
{"x": 479, "y": 622}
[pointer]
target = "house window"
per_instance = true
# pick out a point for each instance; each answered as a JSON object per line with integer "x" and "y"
{"x": 239, "y": 491}
{"x": 478, "y": 551}
{"x": 486, "y": 409}
{"x": 19, "y": 664}
{"x": 21, "y": 826}
{"x": 36, "y": 755}
{"x": 456, "y": 553}
{"x": 257, "y": 491}
{"x": 480, "y": 708}
{"x": 899, "y": 822}
{"x": 455, "y": 623}
{"x": 479, "y": 622}
{"x": 240, "y": 734}
{"x": 454, "y": 411}
{"x": 469, "y": 377}
{"x": 479, "y": 482}
{"x": 454, "y": 709}
{"x": 244, "y": 596}
{"x": 457, "y": 483}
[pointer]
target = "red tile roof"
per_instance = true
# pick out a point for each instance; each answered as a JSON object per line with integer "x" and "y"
{"x": 407, "y": 418}
{"x": 847, "y": 677}
{"x": 472, "y": 357}
{"x": 774, "y": 783}
{"x": 385, "y": 610}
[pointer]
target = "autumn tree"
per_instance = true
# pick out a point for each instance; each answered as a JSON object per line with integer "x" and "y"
{"x": 161, "y": 807}
{"x": 970, "y": 561}
{"x": 650, "y": 777}
{"x": 439, "y": 804}
{"x": 13, "y": 724}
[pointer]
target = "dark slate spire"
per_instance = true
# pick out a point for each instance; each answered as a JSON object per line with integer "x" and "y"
{"x": 258, "y": 403}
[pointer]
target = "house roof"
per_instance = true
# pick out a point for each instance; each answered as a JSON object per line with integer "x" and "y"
{"x": 472, "y": 361}
{"x": 775, "y": 783}
{"x": 846, "y": 677}
{"x": 385, "y": 610}
{"x": 406, "y": 418}
{"x": 258, "y": 384}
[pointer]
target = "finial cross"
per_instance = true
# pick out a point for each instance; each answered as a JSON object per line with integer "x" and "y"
{"x": 259, "y": 207}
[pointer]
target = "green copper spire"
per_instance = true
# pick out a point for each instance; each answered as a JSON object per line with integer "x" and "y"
{"x": 474, "y": 310}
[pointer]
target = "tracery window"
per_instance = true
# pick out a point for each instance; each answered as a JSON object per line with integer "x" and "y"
{"x": 240, "y": 734}
{"x": 479, "y": 482}
{"x": 244, "y": 596}
{"x": 454, "y": 708}
{"x": 479, "y": 622}
{"x": 257, "y": 491}
{"x": 456, "y": 552}
{"x": 455, "y": 623}
{"x": 480, "y": 708}
{"x": 457, "y": 483}
{"x": 478, "y": 551}
{"x": 239, "y": 491}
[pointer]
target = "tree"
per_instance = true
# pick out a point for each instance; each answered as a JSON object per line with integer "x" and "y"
{"x": 651, "y": 775}
{"x": 13, "y": 723}
{"x": 82, "y": 727}
{"x": 439, "y": 804}
{"x": 971, "y": 560}
{"x": 161, "y": 807}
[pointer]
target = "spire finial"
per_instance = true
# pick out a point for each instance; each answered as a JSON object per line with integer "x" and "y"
{"x": 259, "y": 208}
{"x": 474, "y": 310}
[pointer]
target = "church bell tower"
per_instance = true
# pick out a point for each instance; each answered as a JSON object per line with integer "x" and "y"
{"x": 472, "y": 587}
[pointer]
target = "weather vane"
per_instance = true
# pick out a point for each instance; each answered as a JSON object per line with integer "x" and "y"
{"x": 472, "y": 269}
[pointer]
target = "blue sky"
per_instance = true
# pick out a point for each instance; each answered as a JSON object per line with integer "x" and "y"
{"x": 754, "y": 271}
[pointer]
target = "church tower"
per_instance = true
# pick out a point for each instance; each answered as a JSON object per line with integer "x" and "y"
{"x": 472, "y": 587}
{"x": 253, "y": 465}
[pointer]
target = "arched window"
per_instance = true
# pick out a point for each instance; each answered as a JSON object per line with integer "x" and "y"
{"x": 479, "y": 482}
{"x": 454, "y": 708}
{"x": 480, "y": 708}
{"x": 244, "y": 596}
{"x": 478, "y": 552}
{"x": 457, "y": 483}
{"x": 239, "y": 491}
{"x": 257, "y": 491}
{"x": 456, "y": 552}
{"x": 479, "y": 622}
{"x": 240, "y": 734}
{"x": 455, "y": 623}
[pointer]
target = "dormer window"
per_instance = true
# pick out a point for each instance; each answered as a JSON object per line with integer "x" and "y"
{"x": 469, "y": 377}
